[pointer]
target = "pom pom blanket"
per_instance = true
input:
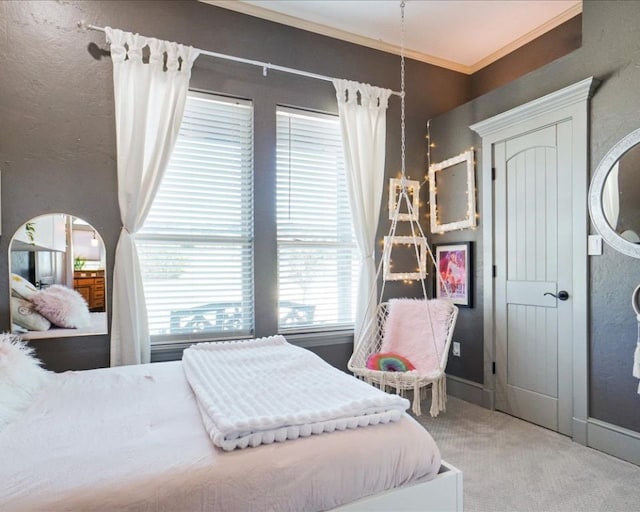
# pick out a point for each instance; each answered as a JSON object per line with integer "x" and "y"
{"x": 267, "y": 390}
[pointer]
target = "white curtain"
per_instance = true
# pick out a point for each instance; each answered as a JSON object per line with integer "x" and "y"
{"x": 363, "y": 114}
{"x": 149, "y": 102}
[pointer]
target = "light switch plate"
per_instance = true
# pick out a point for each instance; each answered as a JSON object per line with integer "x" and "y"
{"x": 594, "y": 245}
{"x": 456, "y": 348}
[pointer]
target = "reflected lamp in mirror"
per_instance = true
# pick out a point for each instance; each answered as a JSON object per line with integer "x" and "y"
{"x": 614, "y": 196}
{"x": 57, "y": 277}
{"x": 452, "y": 196}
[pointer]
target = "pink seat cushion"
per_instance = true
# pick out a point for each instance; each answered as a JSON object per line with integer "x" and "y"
{"x": 409, "y": 331}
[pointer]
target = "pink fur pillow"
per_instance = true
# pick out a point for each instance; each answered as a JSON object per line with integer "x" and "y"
{"x": 20, "y": 377}
{"x": 408, "y": 331}
{"x": 62, "y": 306}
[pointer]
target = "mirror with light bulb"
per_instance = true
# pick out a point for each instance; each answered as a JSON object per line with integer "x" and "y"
{"x": 57, "y": 268}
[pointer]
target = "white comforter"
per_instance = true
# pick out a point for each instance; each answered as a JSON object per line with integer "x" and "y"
{"x": 259, "y": 391}
{"x": 131, "y": 439}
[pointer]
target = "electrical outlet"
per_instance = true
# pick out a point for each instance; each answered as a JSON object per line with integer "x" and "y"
{"x": 456, "y": 348}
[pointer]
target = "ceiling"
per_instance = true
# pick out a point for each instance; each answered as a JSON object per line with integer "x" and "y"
{"x": 463, "y": 35}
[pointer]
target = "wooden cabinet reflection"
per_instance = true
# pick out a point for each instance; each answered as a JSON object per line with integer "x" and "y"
{"x": 90, "y": 284}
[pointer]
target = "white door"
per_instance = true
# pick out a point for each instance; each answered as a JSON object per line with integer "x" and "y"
{"x": 533, "y": 257}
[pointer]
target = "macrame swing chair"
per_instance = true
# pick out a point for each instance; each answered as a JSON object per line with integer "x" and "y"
{"x": 423, "y": 328}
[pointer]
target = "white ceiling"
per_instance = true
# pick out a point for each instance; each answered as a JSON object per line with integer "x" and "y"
{"x": 463, "y": 35}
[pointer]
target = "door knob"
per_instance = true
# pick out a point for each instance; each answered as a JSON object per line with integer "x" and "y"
{"x": 562, "y": 295}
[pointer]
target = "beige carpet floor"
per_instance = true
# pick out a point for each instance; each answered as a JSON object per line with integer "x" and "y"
{"x": 511, "y": 465}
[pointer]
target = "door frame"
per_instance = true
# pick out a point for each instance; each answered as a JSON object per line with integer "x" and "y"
{"x": 572, "y": 103}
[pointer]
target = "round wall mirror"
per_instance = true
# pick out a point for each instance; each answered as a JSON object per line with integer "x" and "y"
{"x": 614, "y": 196}
{"x": 57, "y": 268}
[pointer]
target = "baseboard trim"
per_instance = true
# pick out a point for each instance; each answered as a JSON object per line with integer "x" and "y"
{"x": 466, "y": 390}
{"x": 614, "y": 440}
{"x": 489, "y": 399}
{"x": 599, "y": 435}
{"x": 579, "y": 430}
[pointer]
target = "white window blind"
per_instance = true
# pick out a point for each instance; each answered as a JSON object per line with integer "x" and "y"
{"x": 196, "y": 247}
{"x": 317, "y": 255}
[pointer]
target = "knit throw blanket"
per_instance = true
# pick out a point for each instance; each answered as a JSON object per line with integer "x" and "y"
{"x": 260, "y": 391}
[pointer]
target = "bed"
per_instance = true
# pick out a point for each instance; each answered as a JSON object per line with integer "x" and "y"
{"x": 132, "y": 439}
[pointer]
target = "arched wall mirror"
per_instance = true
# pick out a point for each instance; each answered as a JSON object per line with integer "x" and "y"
{"x": 57, "y": 266}
{"x": 614, "y": 196}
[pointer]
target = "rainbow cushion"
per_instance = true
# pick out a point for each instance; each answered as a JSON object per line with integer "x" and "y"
{"x": 389, "y": 362}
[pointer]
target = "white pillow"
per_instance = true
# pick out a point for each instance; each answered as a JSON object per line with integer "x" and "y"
{"x": 22, "y": 288}
{"x": 62, "y": 306}
{"x": 24, "y": 314}
{"x": 21, "y": 377}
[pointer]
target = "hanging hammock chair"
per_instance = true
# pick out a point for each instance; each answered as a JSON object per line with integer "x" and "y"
{"x": 410, "y": 335}
{"x": 371, "y": 344}
{"x": 405, "y": 342}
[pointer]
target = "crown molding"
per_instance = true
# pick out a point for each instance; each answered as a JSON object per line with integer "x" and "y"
{"x": 527, "y": 38}
{"x": 292, "y": 21}
{"x": 325, "y": 30}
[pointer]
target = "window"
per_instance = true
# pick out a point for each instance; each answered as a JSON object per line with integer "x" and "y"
{"x": 317, "y": 255}
{"x": 196, "y": 247}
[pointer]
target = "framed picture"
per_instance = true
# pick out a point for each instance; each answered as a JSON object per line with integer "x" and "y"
{"x": 454, "y": 270}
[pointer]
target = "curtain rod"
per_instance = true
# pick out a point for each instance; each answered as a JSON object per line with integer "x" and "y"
{"x": 264, "y": 65}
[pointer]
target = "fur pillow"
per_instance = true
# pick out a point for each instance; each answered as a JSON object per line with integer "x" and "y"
{"x": 22, "y": 288}
{"x": 24, "y": 314}
{"x": 408, "y": 331}
{"x": 20, "y": 377}
{"x": 62, "y": 306}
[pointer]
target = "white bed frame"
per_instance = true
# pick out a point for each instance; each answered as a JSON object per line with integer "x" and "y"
{"x": 442, "y": 494}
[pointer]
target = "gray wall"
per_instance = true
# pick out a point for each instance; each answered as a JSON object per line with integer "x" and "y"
{"x": 451, "y": 137}
{"x": 548, "y": 47}
{"x": 610, "y": 52}
{"x": 57, "y": 135}
{"x": 57, "y": 141}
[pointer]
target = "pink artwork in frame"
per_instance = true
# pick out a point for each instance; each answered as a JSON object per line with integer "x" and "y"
{"x": 453, "y": 281}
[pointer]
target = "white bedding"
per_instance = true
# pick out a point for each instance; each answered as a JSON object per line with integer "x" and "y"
{"x": 131, "y": 439}
{"x": 266, "y": 390}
